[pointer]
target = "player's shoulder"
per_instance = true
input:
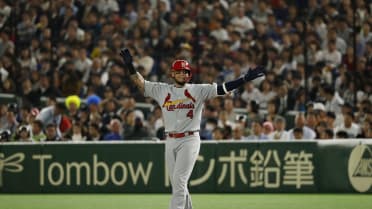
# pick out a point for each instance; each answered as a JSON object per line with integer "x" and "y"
{"x": 202, "y": 85}
{"x": 158, "y": 84}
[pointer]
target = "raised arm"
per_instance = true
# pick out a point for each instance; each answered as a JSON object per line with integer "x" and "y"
{"x": 135, "y": 76}
{"x": 231, "y": 85}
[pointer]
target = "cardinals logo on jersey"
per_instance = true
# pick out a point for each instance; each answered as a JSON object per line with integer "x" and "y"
{"x": 166, "y": 100}
{"x": 179, "y": 103}
{"x": 188, "y": 95}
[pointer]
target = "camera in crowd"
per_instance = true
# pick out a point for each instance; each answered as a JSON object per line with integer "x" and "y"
{"x": 5, "y": 136}
{"x": 241, "y": 118}
{"x": 12, "y": 107}
{"x": 23, "y": 128}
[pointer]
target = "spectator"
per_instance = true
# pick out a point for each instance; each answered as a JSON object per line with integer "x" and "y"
{"x": 155, "y": 121}
{"x": 51, "y": 133}
{"x": 271, "y": 111}
{"x": 115, "y": 131}
{"x": 300, "y": 124}
{"x": 207, "y": 128}
{"x": 250, "y": 93}
{"x": 29, "y": 95}
{"x": 46, "y": 89}
{"x": 294, "y": 90}
{"x": 5, "y": 12}
{"x": 25, "y": 29}
{"x": 71, "y": 47}
{"x": 105, "y": 7}
{"x": 23, "y": 134}
{"x": 76, "y": 133}
{"x": 327, "y": 134}
{"x": 73, "y": 104}
{"x": 280, "y": 133}
{"x": 311, "y": 120}
{"x": 238, "y": 133}
{"x": 32, "y": 116}
{"x": 298, "y": 134}
{"x": 281, "y": 100}
{"x": 133, "y": 127}
{"x": 52, "y": 115}
{"x": 330, "y": 120}
{"x": 8, "y": 86}
{"x": 37, "y": 131}
{"x": 220, "y": 33}
{"x": 333, "y": 99}
{"x": 351, "y": 128}
{"x": 223, "y": 120}
{"x": 94, "y": 133}
{"x": 320, "y": 113}
{"x": 93, "y": 102}
{"x": 108, "y": 113}
{"x": 26, "y": 60}
{"x": 257, "y": 132}
{"x": 268, "y": 129}
{"x": 8, "y": 120}
{"x": 240, "y": 22}
{"x": 366, "y": 130}
{"x": 229, "y": 109}
{"x": 266, "y": 95}
{"x": 217, "y": 134}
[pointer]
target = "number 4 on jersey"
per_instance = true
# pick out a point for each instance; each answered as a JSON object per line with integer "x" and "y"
{"x": 190, "y": 114}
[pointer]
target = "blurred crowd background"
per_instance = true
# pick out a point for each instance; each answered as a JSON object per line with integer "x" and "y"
{"x": 59, "y": 60}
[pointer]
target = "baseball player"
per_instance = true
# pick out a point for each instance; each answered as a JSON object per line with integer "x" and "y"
{"x": 181, "y": 104}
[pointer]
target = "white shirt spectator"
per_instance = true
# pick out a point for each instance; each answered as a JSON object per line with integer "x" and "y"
{"x": 308, "y": 133}
{"x": 348, "y": 125}
{"x": 105, "y": 7}
{"x": 47, "y": 116}
{"x": 340, "y": 45}
{"x": 250, "y": 93}
{"x": 279, "y": 135}
{"x": 84, "y": 64}
{"x": 5, "y": 11}
{"x": 241, "y": 22}
{"x": 28, "y": 63}
{"x": 220, "y": 34}
{"x": 3, "y": 74}
{"x": 352, "y": 131}
{"x": 332, "y": 58}
{"x": 335, "y": 104}
{"x": 263, "y": 99}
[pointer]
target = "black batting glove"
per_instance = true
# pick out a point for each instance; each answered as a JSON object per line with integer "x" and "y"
{"x": 254, "y": 73}
{"x": 127, "y": 57}
{"x": 128, "y": 60}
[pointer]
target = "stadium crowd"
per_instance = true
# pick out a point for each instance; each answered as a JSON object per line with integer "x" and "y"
{"x": 70, "y": 49}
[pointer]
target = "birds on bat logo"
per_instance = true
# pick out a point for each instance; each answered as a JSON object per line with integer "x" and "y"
{"x": 171, "y": 105}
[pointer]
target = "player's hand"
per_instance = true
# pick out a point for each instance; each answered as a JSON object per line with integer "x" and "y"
{"x": 254, "y": 73}
{"x": 127, "y": 57}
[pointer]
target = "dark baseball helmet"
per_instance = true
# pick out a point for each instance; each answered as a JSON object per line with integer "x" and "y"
{"x": 181, "y": 65}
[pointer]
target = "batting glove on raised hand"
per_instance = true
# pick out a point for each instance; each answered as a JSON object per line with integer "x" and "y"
{"x": 254, "y": 73}
{"x": 127, "y": 57}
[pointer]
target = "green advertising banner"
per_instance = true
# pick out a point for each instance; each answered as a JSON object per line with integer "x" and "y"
{"x": 266, "y": 167}
{"x": 138, "y": 167}
{"x": 82, "y": 168}
{"x": 346, "y": 166}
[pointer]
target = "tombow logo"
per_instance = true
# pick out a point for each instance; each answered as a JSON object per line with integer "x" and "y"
{"x": 11, "y": 164}
{"x": 360, "y": 168}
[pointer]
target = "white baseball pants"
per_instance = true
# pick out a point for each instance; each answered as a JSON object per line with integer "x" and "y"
{"x": 181, "y": 155}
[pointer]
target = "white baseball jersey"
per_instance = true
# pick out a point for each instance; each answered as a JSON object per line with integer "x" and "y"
{"x": 181, "y": 107}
